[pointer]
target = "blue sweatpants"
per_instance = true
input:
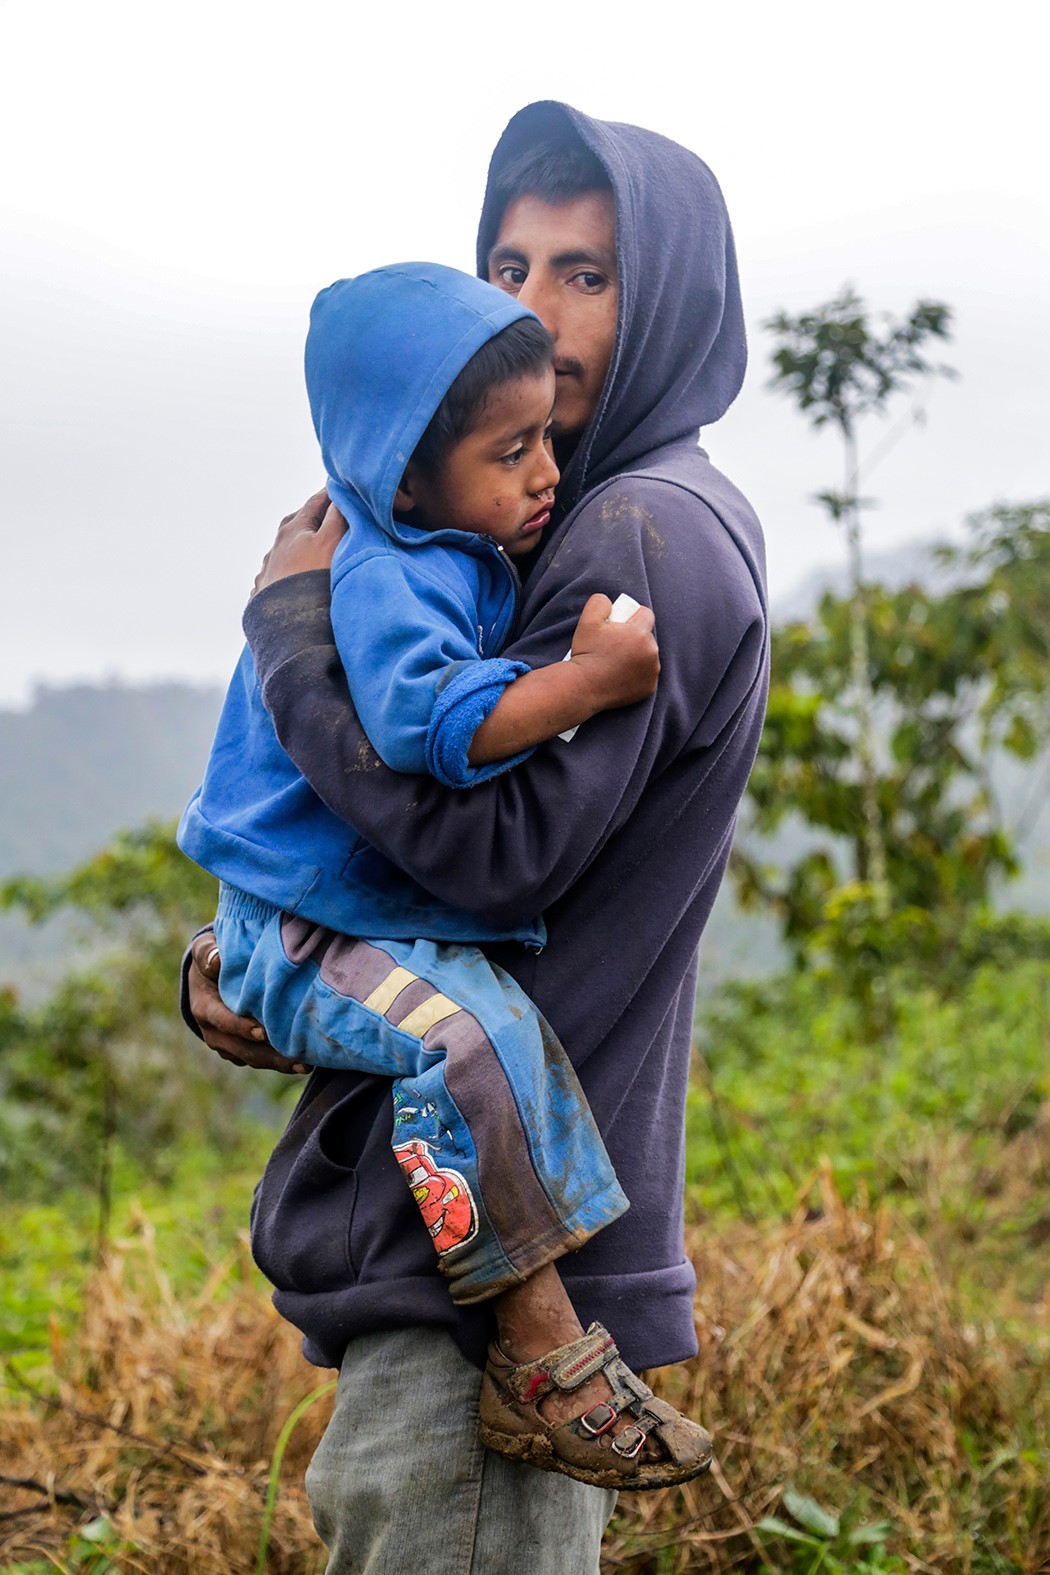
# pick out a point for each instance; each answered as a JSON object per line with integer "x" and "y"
{"x": 492, "y": 1130}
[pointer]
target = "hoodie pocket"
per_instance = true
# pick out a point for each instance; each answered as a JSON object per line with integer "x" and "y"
{"x": 303, "y": 1211}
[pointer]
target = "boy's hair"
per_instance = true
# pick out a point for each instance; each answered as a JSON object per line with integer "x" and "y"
{"x": 524, "y": 349}
{"x": 552, "y": 171}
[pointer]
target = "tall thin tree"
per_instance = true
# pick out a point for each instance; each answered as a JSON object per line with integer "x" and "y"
{"x": 840, "y": 367}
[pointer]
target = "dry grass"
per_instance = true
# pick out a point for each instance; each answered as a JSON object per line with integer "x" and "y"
{"x": 166, "y": 1421}
{"x": 831, "y": 1356}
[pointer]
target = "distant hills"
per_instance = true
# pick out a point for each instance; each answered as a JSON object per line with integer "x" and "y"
{"x": 909, "y": 563}
{"x": 84, "y": 761}
{"x": 79, "y": 764}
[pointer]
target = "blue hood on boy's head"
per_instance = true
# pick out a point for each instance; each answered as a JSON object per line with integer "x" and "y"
{"x": 680, "y": 346}
{"x": 381, "y": 353}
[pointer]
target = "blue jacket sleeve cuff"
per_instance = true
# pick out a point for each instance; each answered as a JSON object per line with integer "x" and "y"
{"x": 459, "y": 710}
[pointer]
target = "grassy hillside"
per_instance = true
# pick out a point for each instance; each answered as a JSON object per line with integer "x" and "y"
{"x": 868, "y": 1229}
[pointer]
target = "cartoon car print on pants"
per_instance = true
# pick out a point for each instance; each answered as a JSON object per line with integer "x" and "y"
{"x": 444, "y": 1199}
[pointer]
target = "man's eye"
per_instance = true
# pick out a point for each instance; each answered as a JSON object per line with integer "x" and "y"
{"x": 510, "y": 277}
{"x": 591, "y": 282}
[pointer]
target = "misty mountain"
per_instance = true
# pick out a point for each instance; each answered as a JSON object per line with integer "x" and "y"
{"x": 81, "y": 763}
{"x": 84, "y": 761}
{"x": 911, "y": 563}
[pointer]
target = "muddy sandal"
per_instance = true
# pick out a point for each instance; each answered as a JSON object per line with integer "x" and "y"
{"x": 511, "y": 1423}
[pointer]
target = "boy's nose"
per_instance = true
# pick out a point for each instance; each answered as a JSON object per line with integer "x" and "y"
{"x": 545, "y": 477}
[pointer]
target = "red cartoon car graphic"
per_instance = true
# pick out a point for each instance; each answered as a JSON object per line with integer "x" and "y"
{"x": 443, "y": 1196}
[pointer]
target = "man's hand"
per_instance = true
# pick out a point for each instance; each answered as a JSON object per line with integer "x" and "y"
{"x": 621, "y": 660}
{"x": 238, "y": 1039}
{"x": 305, "y": 540}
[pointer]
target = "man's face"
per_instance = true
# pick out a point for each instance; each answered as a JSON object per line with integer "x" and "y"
{"x": 559, "y": 260}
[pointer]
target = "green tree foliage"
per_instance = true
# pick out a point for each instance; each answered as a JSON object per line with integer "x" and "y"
{"x": 839, "y": 367}
{"x": 955, "y": 677}
{"x": 105, "y": 1064}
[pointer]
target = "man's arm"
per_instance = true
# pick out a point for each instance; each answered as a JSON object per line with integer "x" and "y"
{"x": 513, "y": 845}
{"x": 506, "y": 848}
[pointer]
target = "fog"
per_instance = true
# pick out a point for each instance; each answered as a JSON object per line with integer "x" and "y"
{"x": 187, "y": 178}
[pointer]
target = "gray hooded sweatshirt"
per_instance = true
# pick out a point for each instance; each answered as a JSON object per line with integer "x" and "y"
{"x": 620, "y": 837}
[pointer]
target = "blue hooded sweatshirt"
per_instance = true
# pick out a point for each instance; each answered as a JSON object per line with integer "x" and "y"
{"x": 621, "y": 838}
{"x": 419, "y": 619}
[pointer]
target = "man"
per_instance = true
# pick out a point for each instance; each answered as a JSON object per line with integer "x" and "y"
{"x": 620, "y": 242}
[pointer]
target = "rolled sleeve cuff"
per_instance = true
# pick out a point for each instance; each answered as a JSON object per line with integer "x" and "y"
{"x": 459, "y": 710}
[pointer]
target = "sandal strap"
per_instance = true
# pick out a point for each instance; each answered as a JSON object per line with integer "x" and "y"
{"x": 629, "y": 1393}
{"x": 566, "y": 1367}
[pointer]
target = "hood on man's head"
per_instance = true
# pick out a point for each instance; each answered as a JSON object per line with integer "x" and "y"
{"x": 382, "y": 351}
{"x": 680, "y": 348}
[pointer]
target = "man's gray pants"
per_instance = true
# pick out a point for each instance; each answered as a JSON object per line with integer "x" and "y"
{"x": 401, "y": 1482}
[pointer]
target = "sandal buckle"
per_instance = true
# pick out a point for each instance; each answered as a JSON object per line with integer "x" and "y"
{"x": 596, "y": 1428}
{"x": 629, "y": 1443}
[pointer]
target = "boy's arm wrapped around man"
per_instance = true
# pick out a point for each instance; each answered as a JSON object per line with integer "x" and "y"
{"x": 410, "y": 651}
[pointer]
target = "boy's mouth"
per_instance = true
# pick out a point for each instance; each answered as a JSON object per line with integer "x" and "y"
{"x": 538, "y": 521}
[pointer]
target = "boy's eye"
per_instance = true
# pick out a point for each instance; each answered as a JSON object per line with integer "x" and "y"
{"x": 513, "y": 457}
{"x": 509, "y": 276}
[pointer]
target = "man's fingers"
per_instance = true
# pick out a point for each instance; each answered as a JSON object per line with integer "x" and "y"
{"x": 314, "y": 510}
{"x": 205, "y": 955}
{"x": 207, "y": 1005}
{"x": 259, "y": 1057}
{"x": 262, "y": 571}
{"x": 333, "y": 523}
{"x": 223, "y": 1021}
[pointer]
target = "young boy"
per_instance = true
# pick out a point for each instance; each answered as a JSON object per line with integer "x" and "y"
{"x": 431, "y": 394}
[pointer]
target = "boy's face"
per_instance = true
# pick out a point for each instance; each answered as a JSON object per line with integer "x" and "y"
{"x": 499, "y": 480}
{"x": 559, "y": 260}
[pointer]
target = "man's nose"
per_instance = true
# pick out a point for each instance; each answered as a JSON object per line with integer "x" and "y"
{"x": 537, "y": 296}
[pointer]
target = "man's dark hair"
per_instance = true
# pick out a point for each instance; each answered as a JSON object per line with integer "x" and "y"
{"x": 524, "y": 349}
{"x": 555, "y": 172}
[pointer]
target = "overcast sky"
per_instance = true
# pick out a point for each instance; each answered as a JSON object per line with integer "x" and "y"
{"x": 180, "y": 180}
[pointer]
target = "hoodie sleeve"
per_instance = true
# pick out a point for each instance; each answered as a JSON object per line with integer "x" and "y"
{"x": 410, "y": 652}
{"x": 517, "y": 843}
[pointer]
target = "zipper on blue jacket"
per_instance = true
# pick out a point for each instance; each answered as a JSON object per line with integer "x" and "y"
{"x": 515, "y": 577}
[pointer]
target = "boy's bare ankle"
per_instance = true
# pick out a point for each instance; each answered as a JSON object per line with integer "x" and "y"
{"x": 535, "y": 1317}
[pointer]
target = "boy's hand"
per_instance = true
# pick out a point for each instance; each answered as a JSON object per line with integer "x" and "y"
{"x": 305, "y": 540}
{"x": 620, "y": 661}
